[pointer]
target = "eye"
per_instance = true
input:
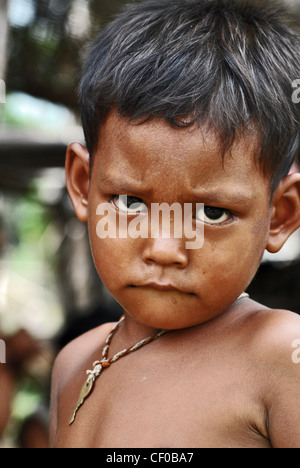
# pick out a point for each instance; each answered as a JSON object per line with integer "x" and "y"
{"x": 213, "y": 215}
{"x": 130, "y": 205}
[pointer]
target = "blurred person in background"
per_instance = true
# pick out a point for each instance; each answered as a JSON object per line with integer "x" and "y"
{"x": 20, "y": 349}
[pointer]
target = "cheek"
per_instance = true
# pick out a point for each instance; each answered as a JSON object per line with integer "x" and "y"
{"x": 112, "y": 260}
{"x": 108, "y": 253}
{"x": 233, "y": 259}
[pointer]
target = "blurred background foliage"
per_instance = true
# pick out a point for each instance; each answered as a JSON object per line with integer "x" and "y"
{"x": 49, "y": 289}
{"x": 47, "y": 40}
{"x": 45, "y": 43}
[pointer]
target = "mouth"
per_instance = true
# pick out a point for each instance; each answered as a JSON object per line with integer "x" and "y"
{"x": 162, "y": 287}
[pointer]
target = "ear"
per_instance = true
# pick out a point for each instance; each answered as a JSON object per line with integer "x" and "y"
{"x": 78, "y": 178}
{"x": 285, "y": 215}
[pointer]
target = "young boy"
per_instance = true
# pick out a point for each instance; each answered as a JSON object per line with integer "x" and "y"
{"x": 186, "y": 103}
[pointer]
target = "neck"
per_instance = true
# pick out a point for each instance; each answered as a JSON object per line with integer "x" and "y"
{"x": 133, "y": 330}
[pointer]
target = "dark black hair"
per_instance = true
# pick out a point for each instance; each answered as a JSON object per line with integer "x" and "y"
{"x": 228, "y": 64}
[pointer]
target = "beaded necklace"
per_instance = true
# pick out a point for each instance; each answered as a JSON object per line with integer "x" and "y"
{"x": 100, "y": 365}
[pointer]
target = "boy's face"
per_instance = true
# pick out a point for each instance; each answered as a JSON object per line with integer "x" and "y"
{"x": 154, "y": 163}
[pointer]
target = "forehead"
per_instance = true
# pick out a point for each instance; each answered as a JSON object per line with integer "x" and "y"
{"x": 156, "y": 156}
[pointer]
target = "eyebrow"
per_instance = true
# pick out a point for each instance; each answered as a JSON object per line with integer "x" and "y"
{"x": 221, "y": 196}
{"x": 118, "y": 184}
{"x": 215, "y": 196}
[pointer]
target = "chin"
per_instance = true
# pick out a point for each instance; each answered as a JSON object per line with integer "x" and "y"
{"x": 170, "y": 320}
{"x": 168, "y": 311}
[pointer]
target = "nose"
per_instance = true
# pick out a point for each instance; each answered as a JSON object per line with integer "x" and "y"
{"x": 166, "y": 252}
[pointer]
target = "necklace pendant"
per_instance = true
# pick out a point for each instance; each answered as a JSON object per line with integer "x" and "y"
{"x": 87, "y": 388}
{"x": 84, "y": 393}
{"x": 89, "y": 385}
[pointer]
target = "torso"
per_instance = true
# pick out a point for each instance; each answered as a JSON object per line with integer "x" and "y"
{"x": 192, "y": 388}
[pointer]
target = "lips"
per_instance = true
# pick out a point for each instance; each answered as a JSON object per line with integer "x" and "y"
{"x": 161, "y": 287}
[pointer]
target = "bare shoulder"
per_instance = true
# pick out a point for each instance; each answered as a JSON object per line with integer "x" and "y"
{"x": 78, "y": 352}
{"x": 272, "y": 338}
{"x": 267, "y": 334}
{"x": 70, "y": 362}
{"x": 275, "y": 330}
{"x": 275, "y": 345}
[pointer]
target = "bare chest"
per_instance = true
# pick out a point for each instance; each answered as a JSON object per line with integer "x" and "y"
{"x": 137, "y": 403}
